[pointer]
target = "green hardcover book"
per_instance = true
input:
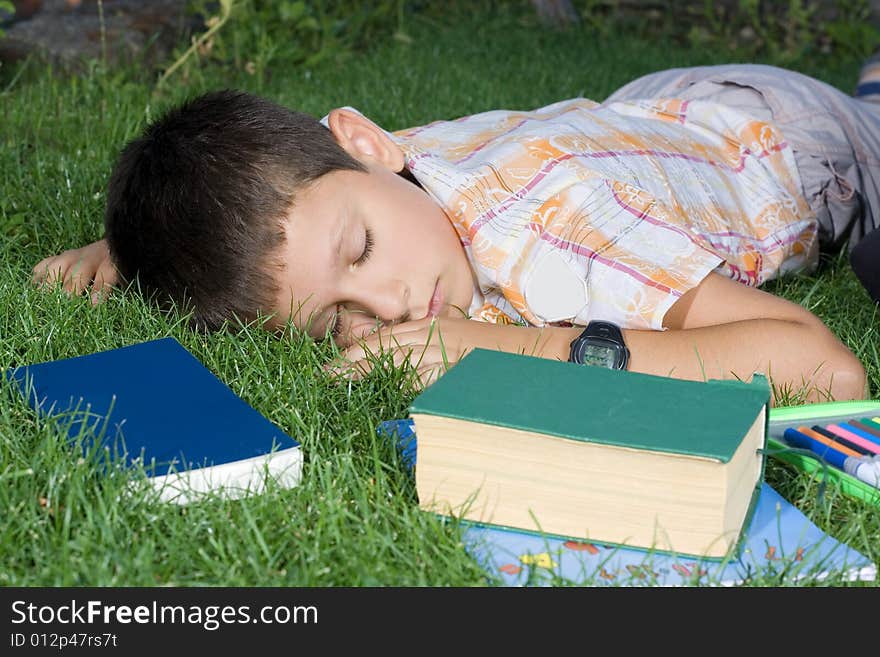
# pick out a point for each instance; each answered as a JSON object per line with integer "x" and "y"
{"x": 591, "y": 453}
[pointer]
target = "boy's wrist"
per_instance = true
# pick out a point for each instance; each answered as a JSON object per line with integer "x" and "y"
{"x": 551, "y": 342}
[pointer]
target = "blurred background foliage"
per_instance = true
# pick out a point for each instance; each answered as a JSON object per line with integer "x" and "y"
{"x": 265, "y": 37}
{"x": 257, "y": 34}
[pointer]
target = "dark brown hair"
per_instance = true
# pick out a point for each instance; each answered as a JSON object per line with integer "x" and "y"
{"x": 195, "y": 206}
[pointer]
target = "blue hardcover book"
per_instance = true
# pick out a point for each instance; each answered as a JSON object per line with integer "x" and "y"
{"x": 155, "y": 405}
{"x": 780, "y": 543}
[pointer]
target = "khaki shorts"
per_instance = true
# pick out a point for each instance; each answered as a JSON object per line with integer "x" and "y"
{"x": 835, "y": 137}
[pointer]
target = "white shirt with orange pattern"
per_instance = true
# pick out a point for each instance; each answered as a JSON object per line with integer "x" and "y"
{"x": 580, "y": 211}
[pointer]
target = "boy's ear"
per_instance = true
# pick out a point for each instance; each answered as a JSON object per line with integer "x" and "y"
{"x": 364, "y": 140}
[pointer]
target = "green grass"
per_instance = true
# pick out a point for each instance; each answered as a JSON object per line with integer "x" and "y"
{"x": 354, "y": 519}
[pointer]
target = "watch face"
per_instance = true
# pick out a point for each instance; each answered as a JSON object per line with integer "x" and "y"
{"x": 599, "y": 355}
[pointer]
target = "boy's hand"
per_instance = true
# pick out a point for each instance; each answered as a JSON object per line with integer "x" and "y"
{"x": 433, "y": 346}
{"x": 720, "y": 329}
{"x": 78, "y": 269}
{"x": 427, "y": 344}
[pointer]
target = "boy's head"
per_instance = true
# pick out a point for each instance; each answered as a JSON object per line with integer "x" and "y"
{"x": 196, "y": 205}
{"x": 231, "y": 205}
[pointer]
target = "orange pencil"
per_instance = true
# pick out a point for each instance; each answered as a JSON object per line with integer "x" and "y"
{"x": 815, "y": 435}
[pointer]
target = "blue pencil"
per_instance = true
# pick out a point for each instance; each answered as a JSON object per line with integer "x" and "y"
{"x": 857, "y": 429}
{"x": 798, "y": 439}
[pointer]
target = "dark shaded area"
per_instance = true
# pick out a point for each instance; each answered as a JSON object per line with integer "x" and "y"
{"x": 68, "y": 33}
{"x": 865, "y": 261}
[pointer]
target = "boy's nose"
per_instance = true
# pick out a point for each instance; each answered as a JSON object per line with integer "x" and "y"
{"x": 389, "y": 302}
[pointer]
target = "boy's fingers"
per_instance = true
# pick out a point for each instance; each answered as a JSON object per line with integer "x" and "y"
{"x": 376, "y": 346}
{"x": 107, "y": 274}
{"x": 348, "y": 369}
{"x": 423, "y": 358}
{"x": 105, "y": 279}
{"x": 47, "y": 271}
{"x": 80, "y": 275}
{"x": 74, "y": 281}
{"x": 99, "y": 294}
{"x": 40, "y": 271}
{"x": 410, "y": 334}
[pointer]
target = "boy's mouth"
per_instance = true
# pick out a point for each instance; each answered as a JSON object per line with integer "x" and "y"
{"x": 436, "y": 302}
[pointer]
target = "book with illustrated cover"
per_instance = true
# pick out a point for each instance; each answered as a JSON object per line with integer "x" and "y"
{"x": 780, "y": 544}
{"x": 577, "y": 451}
{"x": 153, "y": 405}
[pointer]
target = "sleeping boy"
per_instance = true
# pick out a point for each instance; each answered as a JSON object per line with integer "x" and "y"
{"x": 632, "y": 234}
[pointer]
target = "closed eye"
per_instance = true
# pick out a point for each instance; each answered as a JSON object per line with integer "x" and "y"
{"x": 336, "y": 329}
{"x": 368, "y": 248}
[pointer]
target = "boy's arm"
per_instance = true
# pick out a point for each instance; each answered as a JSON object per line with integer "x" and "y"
{"x": 723, "y": 329}
{"x": 78, "y": 269}
{"x": 720, "y": 329}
